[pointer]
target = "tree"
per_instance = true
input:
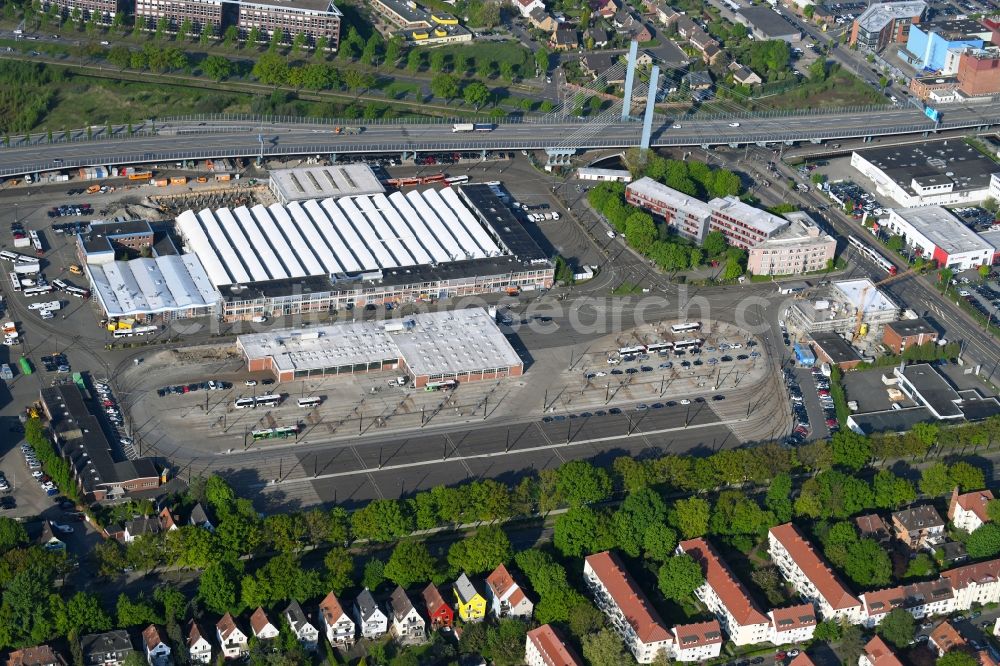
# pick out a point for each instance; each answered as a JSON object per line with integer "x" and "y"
{"x": 207, "y": 32}
{"x": 381, "y": 520}
{"x": 850, "y": 449}
{"x": 778, "y": 499}
{"x": 934, "y": 480}
{"x": 604, "y": 648}
{"x": 339, "y": 569}
{"x": 414, "y": 60}
{"x": 735, "y": 513}
{"x": 920, "y": 566}
{"x": 679, "y": 577}
{"x": 868, "y": 564}
{"x": 984, "y": 541}
{"x": 82, "y": 614}
{"x": 393, "y": 50}
{"x": 581, "y": 531}
{"x": 476, "y": 94}
{"x": 271, "y": 69}
{"x": 827, "y": 631}
{"x": 218, "y": 587}
{"x": 173, "y": 601}
{"x": 277, "y": 39}
{"x": 445, "y": 86}
{"x": 639, "y": 511}
{"x": 298, "y": 42}
{"x": 410, "y": 563}
{"x": 374, "y": 574}
{"x": 690, "y": 516}
{"x": 957, "y": 658}
{"x": 580, "y": 482}
{"x": 659, "y": 542}
{"x": 217, "y": 67}
{"x": 232, "y": 36}
{"x": 898, "y": 627}
{"x": 135, "y": 613}
{"x": 542, "y": 60}
{"x": 891, "y": 491}
{"x": 966, "y": 477}
{"x": 482, "y": 551}
{"x": 253, "y": 36}
{"x": 186, "y": 28}
{"x": 12, "y": 534}
{"x": 162, "y": 26}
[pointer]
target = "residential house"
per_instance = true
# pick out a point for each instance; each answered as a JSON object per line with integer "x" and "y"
{"x": 952, "y": 553}
{"x": 697, "y": 81}
{"x": 261, "y": 625}
{"x": 919, "y": 526}
{"x": 168, "y": 521}
{"x": 666, "y": 14}
{"x": 439, "y": 612}
{"x": 543, "y": 647}
{"x": 199, "y": 649}
{"x": 701, "y": 41}
{"x": 525, "y": 7}
{"x": 233, "y": 641}
{"x": 795, "y": 624}
{"x": 407, "y": 624}
{"x": 601, "y": 64}
{"x": 305, "y": 633}
{"x": 199, "y": 518}
{"x": 470, "y": 604}
{"x": 540, "y": 20}
{"x": 944, "y": 638}
{"x": 335, "y": 623}
{"x": 110, "y": 648}
{"x": 967, "y": 512}
{"x": 810, "y": 575}
{"x": 604, "y": 8}
{"x": 921, "y": 600}
{"x": 725, "y": 597}
{"x": 712, "y": 54}
{"x": 506, "y": 597}
{"x": 157, "y": 649}
{"x": 624, "y": 603}
{"x": 700, "y": 642}
{"x": 631, "y": 25}
{"x": 802, "y": 660}
{"x": 743, "y": 75}
{"x": 871, "y": 526}
{"x": 975, "y": 584}
{"x": 564, "y": 38}
{"x": 372, "y": 621}
{"x": 40, "y": 655}
{"x": 877, "y": 653}
{"x": 598, "y": 36}
{"x": 141, "y": 526}
{"x": 686, "y": 27}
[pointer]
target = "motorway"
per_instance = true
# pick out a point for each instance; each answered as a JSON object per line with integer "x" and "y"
{"x": 198, "y": 139}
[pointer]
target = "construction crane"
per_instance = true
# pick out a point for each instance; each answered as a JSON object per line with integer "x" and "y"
{"x": 859, "y": 318}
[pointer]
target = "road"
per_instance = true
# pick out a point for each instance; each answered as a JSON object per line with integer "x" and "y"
{"x": 198, "y": 138}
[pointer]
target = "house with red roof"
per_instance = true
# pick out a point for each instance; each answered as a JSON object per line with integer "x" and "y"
{"x": 921, "y": 600}
{"x": 725, "y": 597}
{"x": 543, "y": 647}
{"x": 968, "y": 512}
{"x": 505, "y": 596}
{"x": 697, "y": 642}
{"x": 795, "y": 624}
{"x": 810, "y": 575}
{"x": 628, "y": 610}
{"x": 40, "y": 655}
{"x": 944, "y": 638}
{"x": 262, "y": 626}
{"x": 439, "y": 612}
{"x": 877, "y": 653}
{"x": 975, "y": 584}
{"x": 336, "y": 624}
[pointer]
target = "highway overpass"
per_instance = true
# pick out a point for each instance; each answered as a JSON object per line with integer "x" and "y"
{"x": 192, "y": 139}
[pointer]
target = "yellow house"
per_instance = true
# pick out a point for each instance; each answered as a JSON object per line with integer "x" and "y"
{"x": 471, "y": 605}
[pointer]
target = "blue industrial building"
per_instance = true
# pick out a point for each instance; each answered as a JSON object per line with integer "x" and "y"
{"x": 928, "y": 43}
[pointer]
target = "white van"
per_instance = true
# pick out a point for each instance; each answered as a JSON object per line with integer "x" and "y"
{"x": 610, "y": 234}
{"x": 259, "y": 319}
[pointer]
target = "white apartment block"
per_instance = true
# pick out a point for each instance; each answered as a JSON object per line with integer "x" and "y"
{"x": 975, "y": 584}
{"x": 795, "y": 624}
{"x": 725, "y": 597}
{"x": 697, "y": 642}
{"x": 968, "y": 512}
{"x": 919, "y": 599}
{"x": 628, "y": 610}
{"x": 810, "y": 575}
{"x": 543, "y": 647}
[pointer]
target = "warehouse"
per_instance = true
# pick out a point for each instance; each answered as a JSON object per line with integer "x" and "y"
{"x": 460, "y": 345}
{"x": 320, "y": 182}
{"x": 321, "y": 255}
{"x": 935, "y": 233}
{"x": 173, "y": 287}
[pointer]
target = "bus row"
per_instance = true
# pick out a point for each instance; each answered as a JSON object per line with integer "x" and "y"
{"x": 17, "y": 258}
{"x": 71, "y": 289}
{"x": 272, "y": 400}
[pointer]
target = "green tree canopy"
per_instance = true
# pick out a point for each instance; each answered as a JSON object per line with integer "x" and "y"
{"x": 482, "y": 551}
{"x": 690, "y": 517}
{"x": 410, "y": 563}
{"x": 680, "y": 576}
{"x": 984, "y": 541}
{"x": 898, "y": 627}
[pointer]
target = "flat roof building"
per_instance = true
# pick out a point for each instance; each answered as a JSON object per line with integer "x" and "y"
{"x": 98, "y": 468}
{"x": 932, "y": 173}
{"x": 173, "y": 287}
{"x": 613, "y": 175}
{"x": 886, "y": 22}
{"x": 936, "y": 234}
{"x": 201, "y": 14}
{"x": 834, "y": 308}
{"x": 106, "y": 239}
{"x": 742, "y": 224}
{"x": 928, "y": 43}
{"x": 899, "y": 335}
{"x": 925, "y": 386}
{"x": 835, "y": 350}
{"x": 321, "y": 182}
{"x": 313, "y": 18}
{"x": 801, "y": 247}
{"x": 766, "y": 23}
{"x": 102, "y": 10}
{"x": 461, "y": 345}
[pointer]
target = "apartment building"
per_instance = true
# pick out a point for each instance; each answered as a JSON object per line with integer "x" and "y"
{"x": 810, "y": 575}
{"x": 725, "y": 597}
{"x": 743, "y": 225}
{"x": 103, "y": 10}
{"x": 975, "y": 584}
{"x": 631, "y": 615}
{"x": 877, "y": 653}
{"x": 919, "y": 599}
{"x": 686, "y": 214}
{"x": 543, "y": 647}
{"x": 968, "y": 511}
{"x": 697, "y": 642}
{"x": 314, "y": 18}
{"x": 801, "y": 247}
{"x": 200, "y": 13}
{"x": 919, "y": 526}
{"x": 795, "y": 624}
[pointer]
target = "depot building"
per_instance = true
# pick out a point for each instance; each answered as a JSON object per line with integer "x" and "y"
{"x": 461, "y": 345}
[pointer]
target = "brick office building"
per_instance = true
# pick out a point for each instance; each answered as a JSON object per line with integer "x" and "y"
{"x": 314, "y": 18}
{"x": 979, "y": 72}
{"x": 200, "y": 13}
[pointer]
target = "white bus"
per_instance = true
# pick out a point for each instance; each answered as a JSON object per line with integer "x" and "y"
{"x": 456, "y": 180}
{"x": 7, "y": 255}
{"x": 446, "y": 385}
{"x": 243, "y": 403}
{"x": 59, "y": 284}
{"x": 686, "y": 326}
{"x": 15, "y": 281}
{"x": 314, "y": 401}
{"x": 37, "y": 291}
{"x": 270, "y": 400}
{"x": 135, "y": 330}
{"x": 79, "y": 292}
{"x": 658, "y": 347}
{"x": 688, "y": 344}
{"x": 631, "y": 351}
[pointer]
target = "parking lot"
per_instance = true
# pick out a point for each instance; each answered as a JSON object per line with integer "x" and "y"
{"x": 984, "y": 297}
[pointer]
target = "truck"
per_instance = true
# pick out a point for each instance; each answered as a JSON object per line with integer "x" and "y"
{"x": 5, "y": 372}
{"x": 25, "y": 364}
{"x": 463, "y": 127}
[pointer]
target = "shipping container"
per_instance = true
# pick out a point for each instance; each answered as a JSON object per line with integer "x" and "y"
{"x": 161, "y": 182}
{"x": 178, "y": 180}
{"x": 222, "y": 177}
